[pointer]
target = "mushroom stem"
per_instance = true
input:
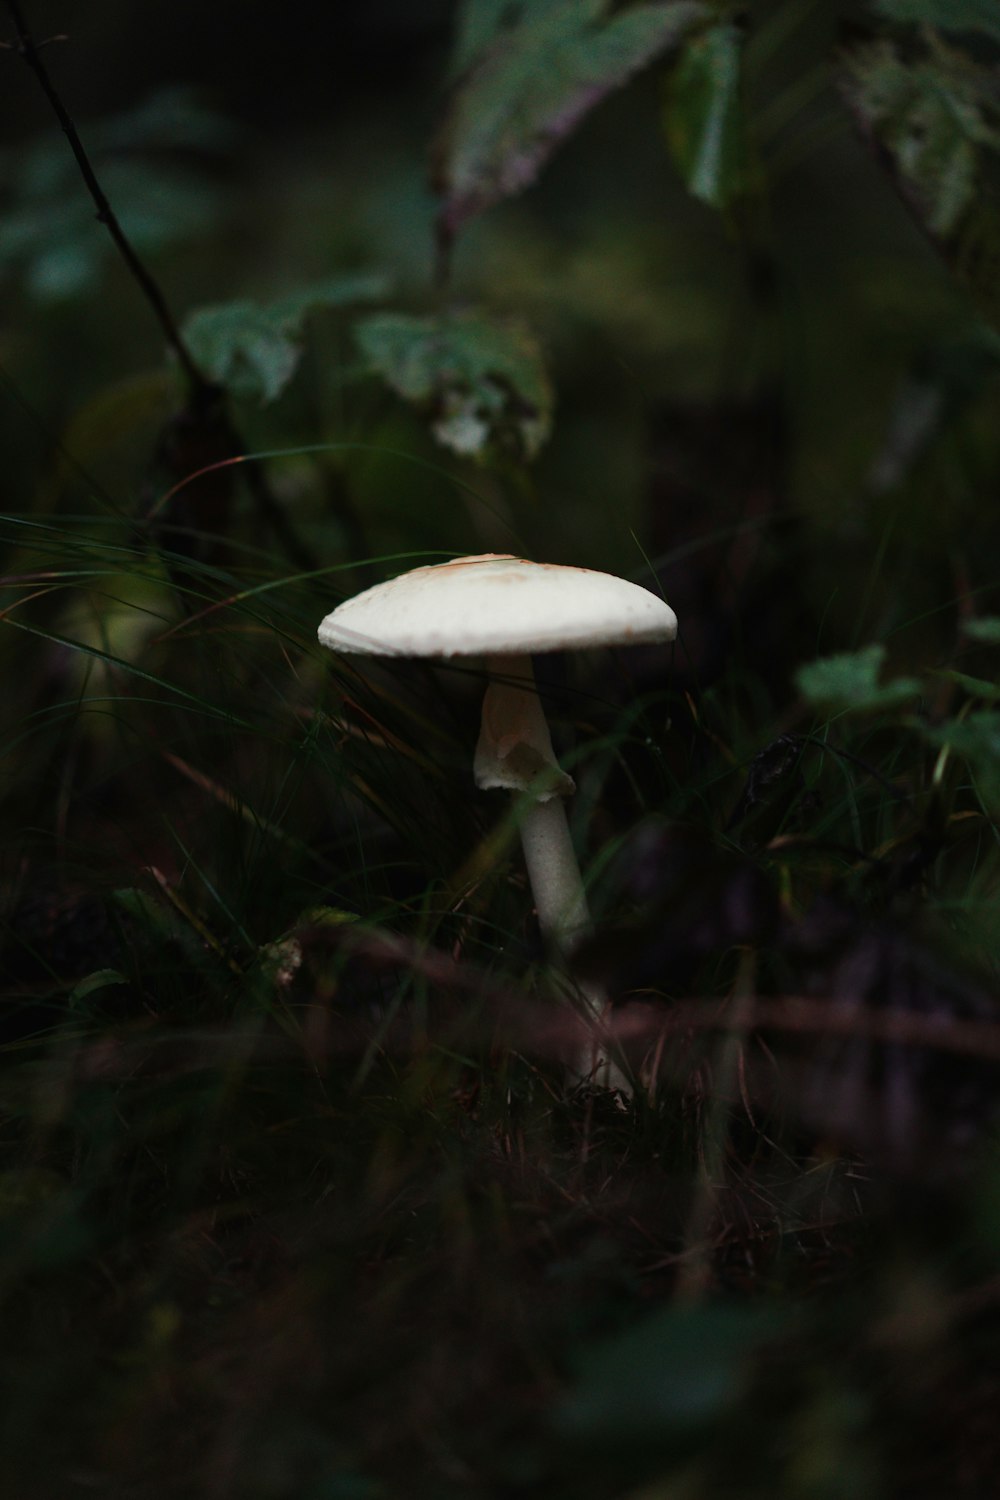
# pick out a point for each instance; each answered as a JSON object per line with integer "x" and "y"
{"x": 553, "y": 872}
{"x": 515, "y": 752}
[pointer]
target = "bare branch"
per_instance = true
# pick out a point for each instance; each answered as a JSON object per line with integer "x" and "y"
{"x": 28, "y": 49}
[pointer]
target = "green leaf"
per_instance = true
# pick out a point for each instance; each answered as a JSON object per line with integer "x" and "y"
{"x": 677, "y": 1371}
{"x": 170, "y": 119}
{"x": 56, "y": 239}
{"x": 947, "y": 15}
{"x": 50, "y": 232}
{"x": 541, "y": 73}
{"x": 935, "y": 111}
{"x": 477, "y": 26}
{"x": 976, "y": 687}
{"x": 976, "y": 738}
{"x": 703, "y": 118}
{"x": 482, "y": 381}
{"x": 849, "y": 683}
{"x": 931, "y": 115}
{"x": 253, "y": 348}
{"x": 101, "y": 979}
{"x": 242, "y": 347}
{"x": 986, "y": 628}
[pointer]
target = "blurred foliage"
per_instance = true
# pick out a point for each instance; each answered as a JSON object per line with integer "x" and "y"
{"x": 253, "y": 349}
{"x": 676, "y": 1372}
{"x": 933, "y": 108}
{"x": 530, "y": 73}
{"x": 948, "y": 15}
{"x": 850, "y": 682}
{"x": 704, "y": 116}
{"x": 935, "y": 116}
{"x": 976, "y": 737}
{"x": 293, "y": 1197}
{"x": 987, "y": 629}
{"x": 483, "y": 381}
{"x": 152, "y": 164}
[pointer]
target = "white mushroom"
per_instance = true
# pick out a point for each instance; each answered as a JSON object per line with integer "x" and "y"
{"x": 505, "y": 609}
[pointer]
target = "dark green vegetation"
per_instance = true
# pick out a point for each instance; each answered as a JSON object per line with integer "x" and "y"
{"x": 293, "y": 1201}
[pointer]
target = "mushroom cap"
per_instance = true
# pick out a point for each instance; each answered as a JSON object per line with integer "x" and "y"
{"x": 493, "y": 605}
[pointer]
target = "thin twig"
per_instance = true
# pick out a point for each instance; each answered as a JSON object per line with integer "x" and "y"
{"x": 203, "y": 392}
{"x": 27, "y": 48}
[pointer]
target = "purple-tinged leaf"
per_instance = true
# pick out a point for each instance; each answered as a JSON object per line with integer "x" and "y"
{"x": 540, "y": 74}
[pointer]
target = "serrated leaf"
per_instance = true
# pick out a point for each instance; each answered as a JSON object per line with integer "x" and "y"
{"x": 848, "y": 682}
{"x": 540, "y": 74}
{"x": 242, "y": 347}
{"x": 937, "y": 114}
{"x": 703, "y": 118}
{"x": 946, "y": 15}
{"x": 253, "y": 348}
{"x": 930, "y": 115}
{"x": 482, "y": 381}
